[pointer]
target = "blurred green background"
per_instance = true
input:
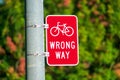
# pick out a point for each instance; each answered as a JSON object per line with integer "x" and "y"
{"x": 99, "y": 39}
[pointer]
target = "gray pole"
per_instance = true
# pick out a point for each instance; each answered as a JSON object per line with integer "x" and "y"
{"x": 35, "y": 64}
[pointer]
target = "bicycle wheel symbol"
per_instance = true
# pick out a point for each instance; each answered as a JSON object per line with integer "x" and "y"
{"x": 54, "y": 31}
{"x": 69, "y": 31}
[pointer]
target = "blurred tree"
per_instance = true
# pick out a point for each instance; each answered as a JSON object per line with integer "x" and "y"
{"x": 11, "y": 39}
{"x": 99, "y": 39}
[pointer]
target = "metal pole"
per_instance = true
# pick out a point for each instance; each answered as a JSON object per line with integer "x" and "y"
{"x": 35, "y": 64}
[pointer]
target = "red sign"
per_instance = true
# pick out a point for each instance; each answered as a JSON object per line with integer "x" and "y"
{"x": 62, "y": 40}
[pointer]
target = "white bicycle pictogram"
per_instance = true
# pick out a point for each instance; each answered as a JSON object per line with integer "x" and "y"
{"x": 67, "y": 30}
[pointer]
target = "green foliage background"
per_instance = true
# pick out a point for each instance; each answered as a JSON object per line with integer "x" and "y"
{"x": 99, "y": 39}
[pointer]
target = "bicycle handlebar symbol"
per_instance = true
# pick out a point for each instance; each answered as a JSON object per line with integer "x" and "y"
{"x": 67, "y": 30}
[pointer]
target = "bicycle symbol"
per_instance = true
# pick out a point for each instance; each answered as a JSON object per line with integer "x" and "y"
{"x": 67, "y": 30}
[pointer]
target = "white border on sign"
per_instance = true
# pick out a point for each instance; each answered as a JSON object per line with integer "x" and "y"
{"x": 77, "y": 43}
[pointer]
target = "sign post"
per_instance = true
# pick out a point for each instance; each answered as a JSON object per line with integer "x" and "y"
{"x": 62, "y": 40}
{"x": 35, "y": 65}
